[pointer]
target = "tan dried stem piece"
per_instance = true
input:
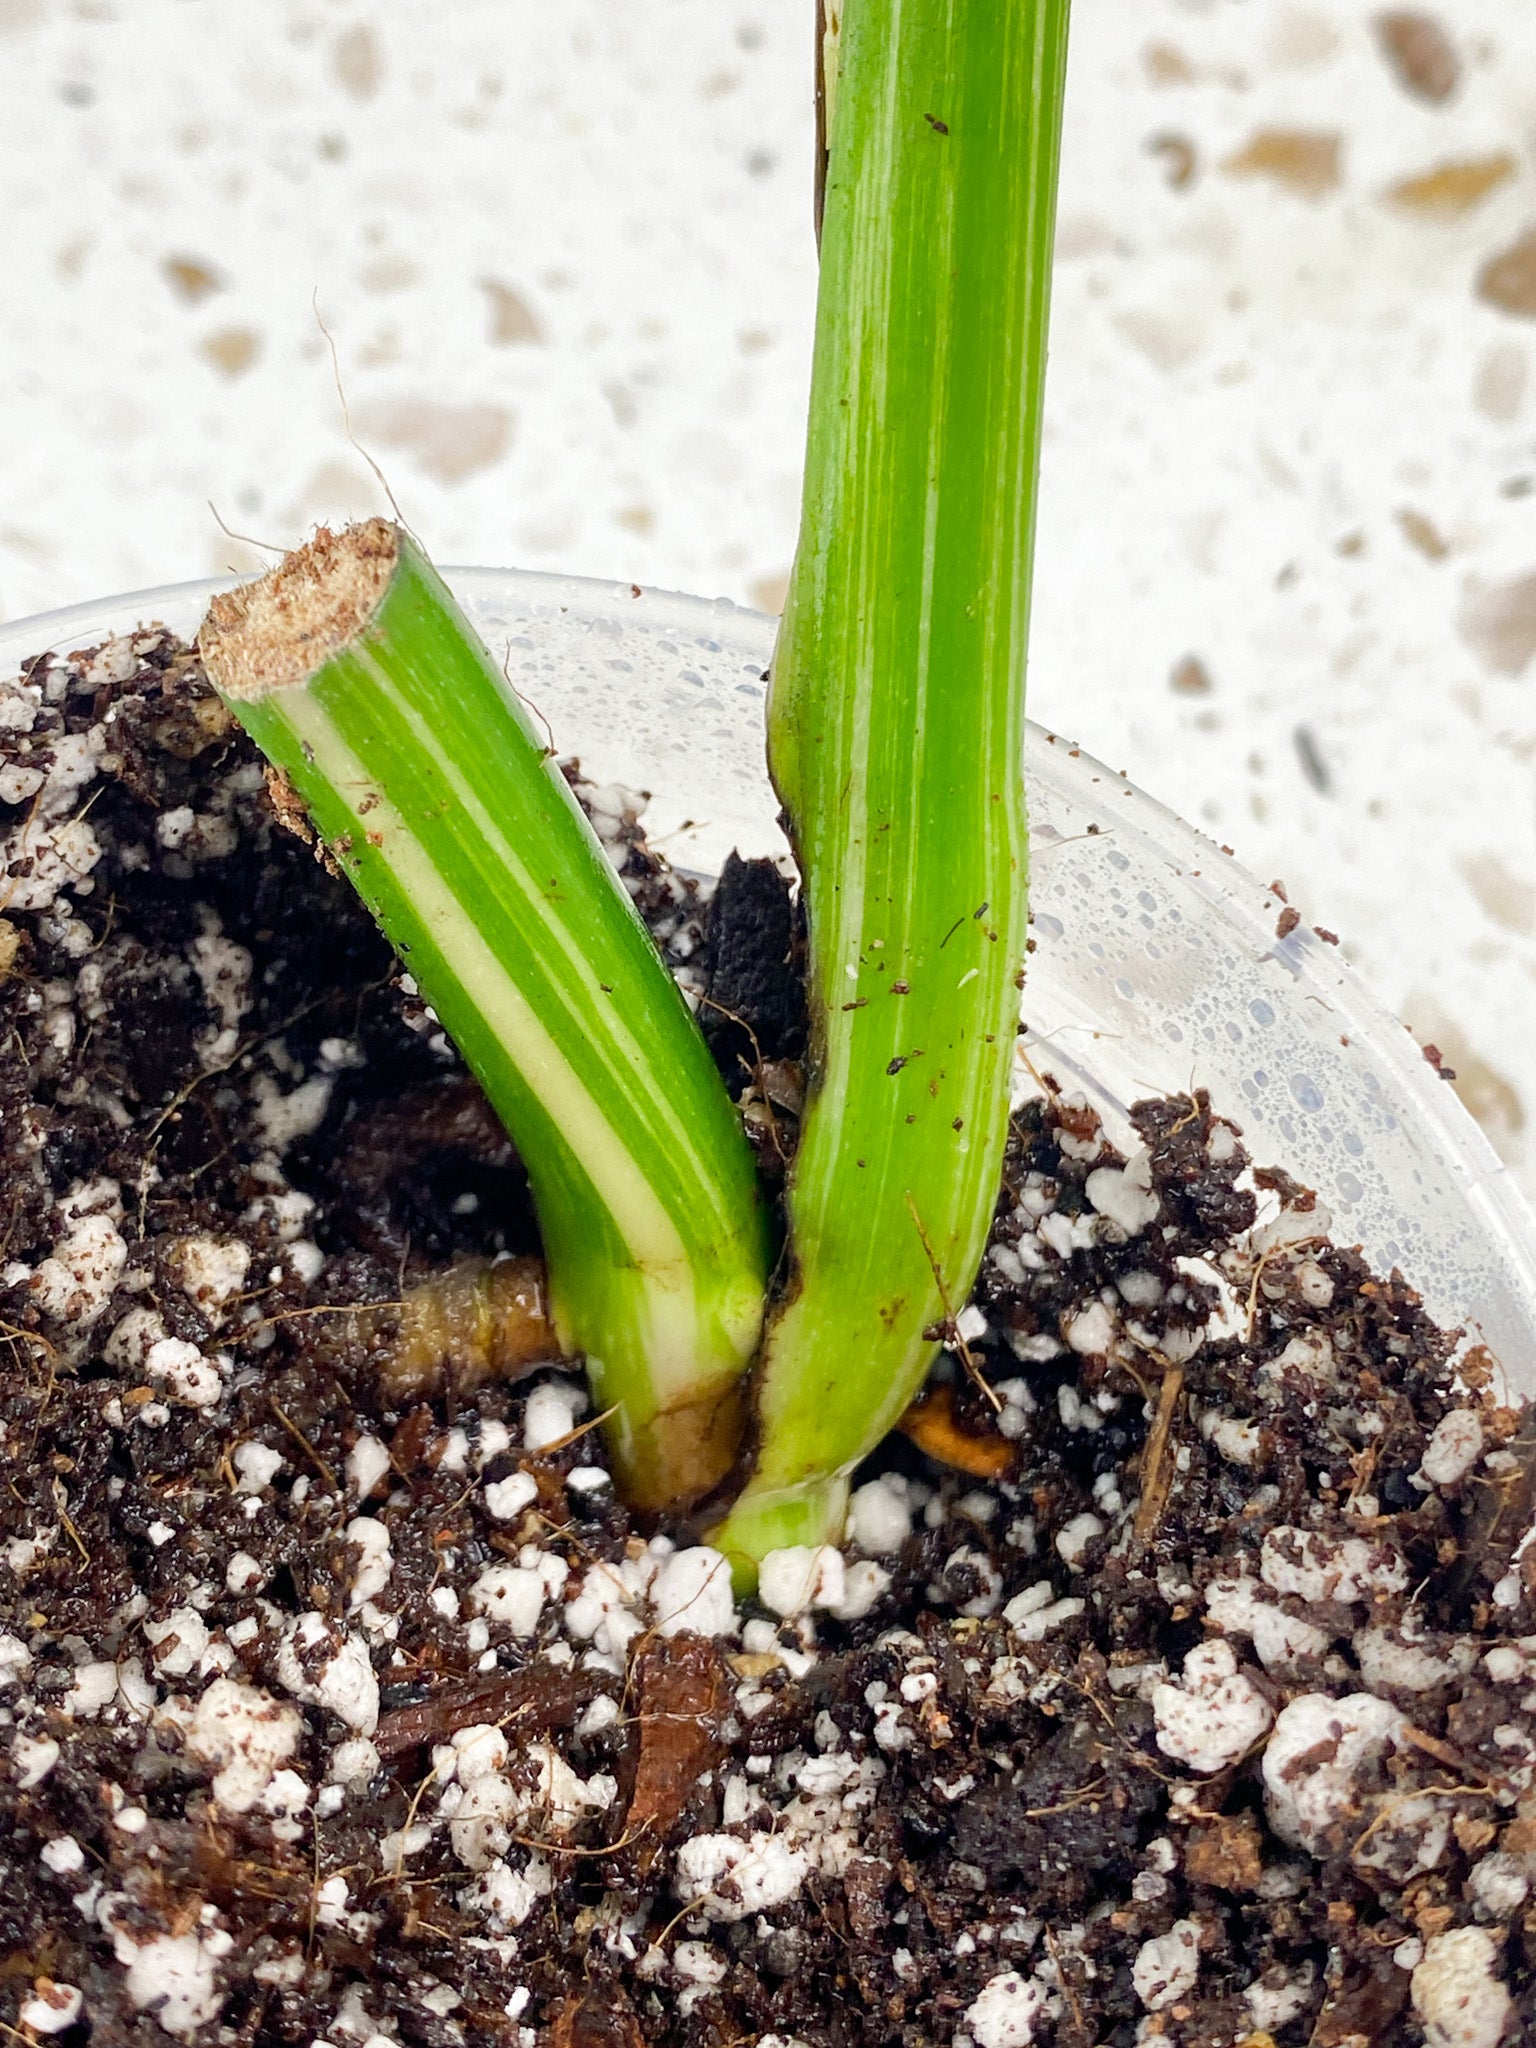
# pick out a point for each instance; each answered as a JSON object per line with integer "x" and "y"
{"x": 275, "y": 632}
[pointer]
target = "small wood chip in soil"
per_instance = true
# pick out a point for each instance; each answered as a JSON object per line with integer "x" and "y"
{"x": 601, "y": 2018}
{"x": 537, "y": 1700}
{"x": 1367, "y": 2009}
{"x": 685, "y": 1695}
{"x": 1227, "y": 1852}
{"x": 1157, "y": 1457}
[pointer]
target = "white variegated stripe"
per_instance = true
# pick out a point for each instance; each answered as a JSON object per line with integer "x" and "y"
{"x": 668, "y": 1304}
{"x": 637, "y": 1078}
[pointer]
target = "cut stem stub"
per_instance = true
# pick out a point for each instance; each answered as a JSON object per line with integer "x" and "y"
{"x": 359, "y": 678}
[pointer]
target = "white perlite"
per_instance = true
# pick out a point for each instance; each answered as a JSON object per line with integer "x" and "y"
{"x": 474, "y": 1752}
{"x": 1006, "y": 2013}
{"x": 481, "y": 1829}
{"x": 1091, "y": 1331}
{"x": 1308, "y": 1356}
{"x": 1124, "y": 1196}
{"x": 510, "y": 1595}
{"x": 367, "y": 1465}
{"x": 173, "y": 1976}
{"x": 375, "y": 1561}
{"x": 1317, "y": 1567}
{"x": 1072, "y": 1542}
{"x": 211, "y": 1271}
{"x": 1036, "y": 1612}
{"x": 793, "y": 1581}
{"x": 1240, "y": 1443}
{"x": 864, "y": 1583}
{"x": 603, "y": 1611}
{"x": 1275, "y": 1999}
{"x": 131, "y": 1339}
{"x": 49, "y": 850}
{"x": 353, "y": 1762}
{"x": 506, "y": 1897}
{"x": 187, "y": 1374}
{"x": 879, "y": 1521}
{"x": 76, "y": 1281}
{"x": 320, "y": 1665}
{"x": 1168, "y": 1966}
{"x": 224, "y": 969}
{"x": 506, "y": 1498}
{"x": 1314, "y": 1756}
{"x": 257, "y": 1465}
{"x": 1453, "y": 1450}
{"x": 178, "y": 1642}
{"x": 699, "y": 1967}
{"x": 1244, "y": 1607}
{"x": 493, "y": 1809}
{"x": 551, "y": 1413}
{"x": 173, "y": 828}
{"x": 692, "y": 1594}
{"x": 32, "y": 1758}
{"x": 1458, "y": 1999}
{"x": 1500, "y": 1885}
{"x": 283, "y": 1119}
{"x": 731, "y": 1880}
{"x": 94, "y": 1689}
{"x": 1400, "y": 1658}
{"x": 52, "y": 2007}
{"x": 1215, "y": 1715}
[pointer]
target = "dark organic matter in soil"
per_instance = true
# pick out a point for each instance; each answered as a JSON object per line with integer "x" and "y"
{"x": 329, "y": 1717}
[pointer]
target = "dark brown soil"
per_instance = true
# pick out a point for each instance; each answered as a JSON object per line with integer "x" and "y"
{"x": 1211, "y": 1721}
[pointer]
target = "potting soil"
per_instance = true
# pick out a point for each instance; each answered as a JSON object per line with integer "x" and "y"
{"x": 1200, "y": 1710}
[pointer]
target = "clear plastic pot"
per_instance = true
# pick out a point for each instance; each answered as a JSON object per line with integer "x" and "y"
{"x": 1158, "y": 962}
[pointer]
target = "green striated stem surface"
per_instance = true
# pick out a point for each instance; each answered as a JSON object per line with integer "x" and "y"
{"x": 897, "y": 714}
{"x": 436, "y": 795}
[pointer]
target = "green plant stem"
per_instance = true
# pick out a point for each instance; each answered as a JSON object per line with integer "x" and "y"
{"x": 358, "y": 677}
{"x": 897, "y": 715}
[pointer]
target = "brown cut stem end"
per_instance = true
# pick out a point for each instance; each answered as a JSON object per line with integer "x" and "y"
{"x": 274, "y": 633}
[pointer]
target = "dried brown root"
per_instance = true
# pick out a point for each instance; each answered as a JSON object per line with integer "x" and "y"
{"x": 930, "y": 1423}
{"x": 482, "y": 1320}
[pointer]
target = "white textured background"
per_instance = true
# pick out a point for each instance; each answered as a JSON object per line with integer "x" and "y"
{"x": 1288, "y": 573}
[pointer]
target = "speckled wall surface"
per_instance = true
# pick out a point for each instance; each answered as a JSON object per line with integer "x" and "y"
{"x": 1288, "y": 577}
